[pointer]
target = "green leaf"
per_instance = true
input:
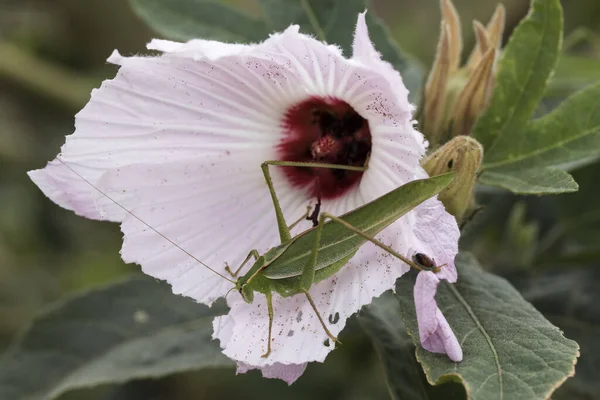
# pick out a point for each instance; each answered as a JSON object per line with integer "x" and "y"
{"x": 573, "y": 73}
{"x": 524, "y": 69}
{"x": 206, "y": 19}
{"x": 334, "y": 21}
{"x": 570, "y": 133}
{"x": 404, "y": 376}
{"x": 510, "y": 350}
{"x": 130, "y": 330}
{"x": 530, "y": 181}
{"x": 566, "y": 138}
{"x": 525, "y": 156}
{"x": 569, "y": 298}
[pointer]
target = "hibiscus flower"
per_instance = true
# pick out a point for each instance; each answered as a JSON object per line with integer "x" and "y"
{"x": 177, "y": 140}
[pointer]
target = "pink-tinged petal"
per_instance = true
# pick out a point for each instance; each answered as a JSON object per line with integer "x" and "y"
{"x": 434, "y": 331}
{"x": 66, "y": 189}
{"x": 364, "y": 51}
{"x": 165, "y": 124}
{"x": 287, "y": 373}
{"x": 437, "y": 236}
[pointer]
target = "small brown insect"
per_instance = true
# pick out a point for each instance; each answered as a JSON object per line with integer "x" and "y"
{"x": 426, "y": 262}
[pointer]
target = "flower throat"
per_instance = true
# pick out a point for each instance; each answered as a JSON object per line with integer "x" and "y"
{"x": 329, "y": 131}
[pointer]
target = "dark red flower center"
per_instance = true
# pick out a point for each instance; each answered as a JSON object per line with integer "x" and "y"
{"x": 329, "y": 131}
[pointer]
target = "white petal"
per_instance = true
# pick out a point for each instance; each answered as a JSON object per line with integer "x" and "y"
{"x": 66, "y": 189}
{"x": 287, "y": 373}
{"x": 199, "y": 49}
{"x": 160, "y": 110}
{"x": 217, "y": 209}
{"x": 364, "y": 52}
{"x": 115, "y": 58}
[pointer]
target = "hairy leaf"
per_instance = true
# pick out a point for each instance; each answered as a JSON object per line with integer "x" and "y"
{"x": 566, "y": 138}
{"x": 529, "y": 157}
{"x": 521, "y": 155}
{"x": 129, "y": 330}
{"x": 570, "y": 133}
{"x": 510, "y": 350}
{"x": 530, "y": 181}
{"x": 524, "y": 69}
{"x": 573, "y": 73}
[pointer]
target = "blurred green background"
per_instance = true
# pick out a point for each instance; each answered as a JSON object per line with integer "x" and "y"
{"x": 52, "y": 52}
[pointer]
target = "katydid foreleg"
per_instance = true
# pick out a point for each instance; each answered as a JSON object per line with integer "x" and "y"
{"x": 306, "y": 215}
{"x": 271, "y": 316}
{"x": 253, "y": 253}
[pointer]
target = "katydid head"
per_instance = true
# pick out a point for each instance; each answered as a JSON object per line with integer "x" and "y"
{"x": 245, "y": 290}
{"x": 247, "y": 293}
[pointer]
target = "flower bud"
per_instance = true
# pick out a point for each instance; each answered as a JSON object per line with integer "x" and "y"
{"x": 462, "y": 155}
{"x": 474, "y": 97}
{"x": 493, "y": 32}
{"x": 455, "y": 97}
{"x": 435, "y": 89}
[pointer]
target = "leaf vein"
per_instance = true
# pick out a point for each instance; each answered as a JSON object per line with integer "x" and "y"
{"x": 469, "y": 311}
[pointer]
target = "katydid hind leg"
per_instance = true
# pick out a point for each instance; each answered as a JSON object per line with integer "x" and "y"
{"x": 314, "y": 307}
{"x": 376, "y": 242}
{"x": 308, "y": 272}
{"x": 253, "y": 253}
{"x": 284, "y": 232}
{"x": 270, "y": 312}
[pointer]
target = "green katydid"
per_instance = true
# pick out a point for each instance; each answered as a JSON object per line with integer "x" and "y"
{"x": 315, "y": 254}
